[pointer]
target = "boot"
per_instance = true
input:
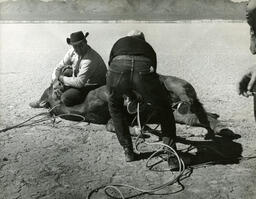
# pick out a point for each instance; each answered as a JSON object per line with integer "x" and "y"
{"x": 129, "y": 154}
{"x": 171, "y": 158}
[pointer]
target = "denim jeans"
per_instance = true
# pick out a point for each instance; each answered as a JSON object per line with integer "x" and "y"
{"x": 135, "y": 73}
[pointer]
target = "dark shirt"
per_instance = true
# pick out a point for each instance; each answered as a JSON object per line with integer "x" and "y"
{"x": 133, "y": 46}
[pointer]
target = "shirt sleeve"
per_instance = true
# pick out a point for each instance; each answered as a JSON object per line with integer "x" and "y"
{"x": 64, "y": 62}
{"x": 85, "y": 72}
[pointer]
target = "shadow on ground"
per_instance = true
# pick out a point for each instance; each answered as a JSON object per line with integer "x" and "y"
{"x": 220, "y": 150}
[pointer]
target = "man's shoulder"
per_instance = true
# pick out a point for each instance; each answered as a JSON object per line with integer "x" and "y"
{"x": 91, "y": 51}
{"x": 91, "y": 54}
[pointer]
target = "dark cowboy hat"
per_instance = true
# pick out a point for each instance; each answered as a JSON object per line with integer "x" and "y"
{"x": 77, "y": 37}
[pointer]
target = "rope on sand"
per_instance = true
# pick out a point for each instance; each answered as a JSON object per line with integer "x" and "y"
{"x": 181, "y": 169}
{"x": 47, "y": 116}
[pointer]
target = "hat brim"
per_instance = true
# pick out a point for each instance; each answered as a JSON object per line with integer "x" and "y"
{"x": 74, "y": 43}
{"x": 77, "y": 42}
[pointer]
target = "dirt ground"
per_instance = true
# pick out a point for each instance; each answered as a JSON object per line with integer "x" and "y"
{"x": 67, "y": 159}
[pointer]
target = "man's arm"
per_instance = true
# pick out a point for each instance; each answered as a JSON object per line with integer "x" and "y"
{"x": 64, "y": 62}
{"x": 247, "y": 83}
{"x": 85, "y": 72}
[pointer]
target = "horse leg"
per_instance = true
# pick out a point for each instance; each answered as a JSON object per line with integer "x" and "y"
{"x": 204, "y": 119}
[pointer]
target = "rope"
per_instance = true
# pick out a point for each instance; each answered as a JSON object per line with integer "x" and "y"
{"x": 144, "y": 191}
{"x": 22, "y": 123}
{"x": 47, "y": 114}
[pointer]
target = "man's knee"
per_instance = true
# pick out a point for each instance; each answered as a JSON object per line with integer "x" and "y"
{"x": 66, "y": 100}
{"x": 70, "y": 100}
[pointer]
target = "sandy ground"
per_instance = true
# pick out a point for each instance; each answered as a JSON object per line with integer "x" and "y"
{"x": 68, "y": 159}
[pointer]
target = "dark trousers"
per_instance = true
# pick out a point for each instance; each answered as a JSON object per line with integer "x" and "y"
{"x": 74, "y": 96}
{"x": 251, "y": 14}
{"x": 133, "y": 73}
{"x": 71, "y": 96}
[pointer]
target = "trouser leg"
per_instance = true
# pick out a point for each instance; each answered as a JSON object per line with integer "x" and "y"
{"x": 119, "y": 119}
{"x": 153, "y": 92}
{"x": 118, "y": 85}
{"x": 74, "y": 96}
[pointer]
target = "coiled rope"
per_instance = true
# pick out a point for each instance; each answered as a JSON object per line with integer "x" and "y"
{"x": 181, "y": 168}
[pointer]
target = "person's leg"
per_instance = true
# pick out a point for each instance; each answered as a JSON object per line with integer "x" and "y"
{"x": 150, "y": 87}
{"x": 251, "y": 20}
{"x": 74, "y": 96}
{"x": 117, "y": 84}
{"x": 154, "y": 92}
{"x": 116, "y": 110}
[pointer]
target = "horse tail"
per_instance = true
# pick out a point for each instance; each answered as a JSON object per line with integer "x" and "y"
{"x": 198, "y": 109}
{"x": 206, "y": 119}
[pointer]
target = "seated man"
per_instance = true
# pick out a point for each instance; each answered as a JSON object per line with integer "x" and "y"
{"x": 81, "y": 70}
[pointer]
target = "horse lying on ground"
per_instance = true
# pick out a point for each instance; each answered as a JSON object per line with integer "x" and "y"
{"x": 94, "y": 109}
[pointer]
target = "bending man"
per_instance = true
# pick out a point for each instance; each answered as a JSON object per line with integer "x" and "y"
{"x": 132, "y": 67}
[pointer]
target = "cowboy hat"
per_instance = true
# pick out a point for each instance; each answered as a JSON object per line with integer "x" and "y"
{"x": 77, "y": 37}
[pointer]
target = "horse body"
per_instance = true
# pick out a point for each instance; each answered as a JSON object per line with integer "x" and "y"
{"x": 95, "y": 107}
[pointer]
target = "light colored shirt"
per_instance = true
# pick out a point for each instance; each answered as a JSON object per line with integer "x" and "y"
{"x": 87, "y": 70}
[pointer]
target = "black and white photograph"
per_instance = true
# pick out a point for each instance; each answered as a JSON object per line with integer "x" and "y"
{"x": 143, "y": 99}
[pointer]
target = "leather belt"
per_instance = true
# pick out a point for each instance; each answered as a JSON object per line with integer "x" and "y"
{"x": 131, "y": 57}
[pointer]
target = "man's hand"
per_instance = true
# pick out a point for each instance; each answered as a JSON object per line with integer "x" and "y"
{"x": 61, "y": 78}
{"x": 58, "y": 89}
{"x": 247, "y": 83}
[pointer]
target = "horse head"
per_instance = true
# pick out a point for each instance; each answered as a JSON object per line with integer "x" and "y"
{"x": 57, "y": 89}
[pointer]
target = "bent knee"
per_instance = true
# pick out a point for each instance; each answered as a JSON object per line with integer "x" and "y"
{"x": 66, "y": 100}
{"x": 70, "y": 101}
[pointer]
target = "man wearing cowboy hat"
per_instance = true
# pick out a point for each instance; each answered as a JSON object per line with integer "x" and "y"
{"x": 82, "y": 69}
